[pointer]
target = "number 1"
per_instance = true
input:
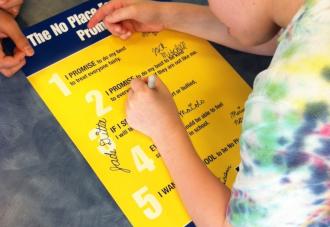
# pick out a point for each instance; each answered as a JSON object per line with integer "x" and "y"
{"x": 55, "y": 79}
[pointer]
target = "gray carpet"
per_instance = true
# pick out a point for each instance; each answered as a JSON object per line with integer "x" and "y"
{"x": 43, "y": 179}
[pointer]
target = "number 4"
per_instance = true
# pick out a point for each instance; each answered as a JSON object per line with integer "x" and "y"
{"x": 141, "y": 160}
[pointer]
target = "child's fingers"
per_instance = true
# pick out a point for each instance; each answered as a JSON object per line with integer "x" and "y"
{"x": 145, "y": 80}
{"x": 129, "y": 98}
{"x": 118, "y": 29}
{"x": 115, "y": 29}
{"x": 15, "y": 33}
{"x": 130, "y": 94}
{"x": 14, "y": 10}
{"x": 138, "y": 85}
{"x": 128, "y": 29}
{"x": 101, "y": 14}
{"x": 122, "y": 14}
{"x": 10, "y": 61}
{"x": 160, "y": 83}
{"x": 126, "y": 35}
{"x": 2, "y": 35}
{"x": 9, "y": 72}
{"x": 10, "y": 4}
{"x": 2, "y": 53}
{"x": 3, "y": 2}
{"x": 128, "y": 25}
{"x": 18, "y": 54}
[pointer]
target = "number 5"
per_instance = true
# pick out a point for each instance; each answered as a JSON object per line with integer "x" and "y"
{"x": 143, "y": 200}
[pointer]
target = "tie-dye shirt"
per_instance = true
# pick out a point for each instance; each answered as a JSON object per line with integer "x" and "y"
{"x": 285, "y": 142}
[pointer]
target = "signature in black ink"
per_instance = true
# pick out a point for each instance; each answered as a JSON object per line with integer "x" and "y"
{"x": 225, "y": 174}
{"x": 115, "y": 162}
{"x": 108, "y": 146}
{"x": 174, "y": 52}
{"x": 158, "y": 49}
{"x": 147, "y": 34}
{"x": 102, "y": 132}
{"x": 236, "y": 115}
{"x": 238, "y": 121}
{"x": 236, "y": 112}
{"x": 191, "y": 107}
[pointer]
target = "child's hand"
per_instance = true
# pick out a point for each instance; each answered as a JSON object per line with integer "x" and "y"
{"x": 11, "y": 6}
{"x": 152, "y": 111}
{"x": 124, "y": 17}
{"x": 9, "y": 28}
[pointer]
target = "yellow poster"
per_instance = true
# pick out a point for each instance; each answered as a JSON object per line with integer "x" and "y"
{"x": 86, "y": 92}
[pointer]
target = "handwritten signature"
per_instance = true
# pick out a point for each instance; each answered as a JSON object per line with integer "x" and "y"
{"x": 191, "y": 107}
{"x": 158, "y": 49}
{"x": 170, "y": 53}
{"x": 237, "y": 115}
{"x": 225, "y": 174}
{"x": 102, "y": 132}
{"x": 107, "y": 147}
{"x": 236, "y": 112}
{"x": 147, "y": 34}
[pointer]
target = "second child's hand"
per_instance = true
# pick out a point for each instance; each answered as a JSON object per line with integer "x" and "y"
{"x": 9, "y": 28}
{"x": 123, "y": 17}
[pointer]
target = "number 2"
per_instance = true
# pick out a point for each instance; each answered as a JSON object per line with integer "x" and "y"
{"x": 97, "y": 96}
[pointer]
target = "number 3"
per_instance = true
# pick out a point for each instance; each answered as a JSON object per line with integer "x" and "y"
{"x": 103, "y": 149}
{"x": 143, "y": 200}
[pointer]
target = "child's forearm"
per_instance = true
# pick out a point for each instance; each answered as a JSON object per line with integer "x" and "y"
{"x": 199, "y": 21}
{"x": 193, "y": 19}
{"x": 203, "y": 195}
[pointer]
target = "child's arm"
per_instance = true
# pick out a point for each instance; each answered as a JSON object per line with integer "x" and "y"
{"x": 123, "y": 17}
{"x": 203, "y": 195}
